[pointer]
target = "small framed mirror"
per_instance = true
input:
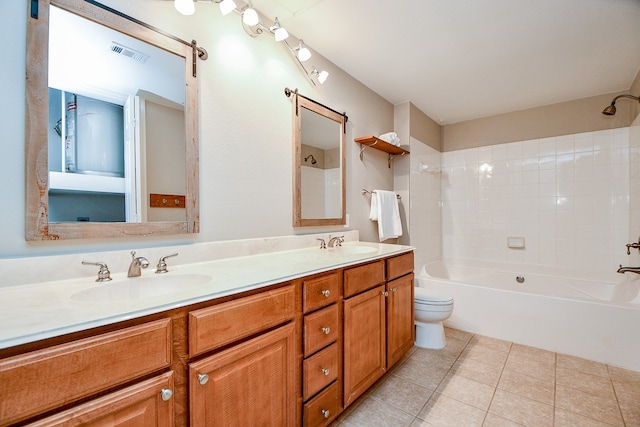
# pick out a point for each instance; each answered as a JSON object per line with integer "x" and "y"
{"x": 111, "y": 135}
{"x": 318, "y": 164}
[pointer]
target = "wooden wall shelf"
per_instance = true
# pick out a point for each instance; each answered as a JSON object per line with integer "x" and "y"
{"x": 379, "y": 144}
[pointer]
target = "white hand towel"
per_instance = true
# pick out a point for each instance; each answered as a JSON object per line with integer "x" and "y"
{"x": 388, "y": 214}
{"x": 391, "y": 138}
{"x": 373, "y": 213}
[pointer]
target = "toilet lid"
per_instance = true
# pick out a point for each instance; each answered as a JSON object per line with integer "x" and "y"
{"x": 423, "y": 296}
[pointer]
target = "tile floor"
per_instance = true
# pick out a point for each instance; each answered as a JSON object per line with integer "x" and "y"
{"x": 481, "y": 381}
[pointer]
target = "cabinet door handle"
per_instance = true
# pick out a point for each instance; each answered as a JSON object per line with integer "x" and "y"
{"x": 203, "y": 379}
{"x": 325, "y": 371}
{"x": 393, "y": 289}
{"x": 325, "y": 413}
{"x": 385, "y": 293}
{"x": 166, "y": 394}
{"x": 326, "y": 330}
{"x": 326, "y": 293}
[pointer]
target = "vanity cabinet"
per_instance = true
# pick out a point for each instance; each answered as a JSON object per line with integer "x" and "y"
{"x": 249, "y": 381}
{"x": 400, "y": 315}
{"x": 43, "y": 380}
{"x": 321, "y": 346}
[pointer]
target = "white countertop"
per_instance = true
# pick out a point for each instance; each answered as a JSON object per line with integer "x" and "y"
{"x": 37, "y": 311}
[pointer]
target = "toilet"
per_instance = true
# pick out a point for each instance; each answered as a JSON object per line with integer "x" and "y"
{"x": 430, "y": 311}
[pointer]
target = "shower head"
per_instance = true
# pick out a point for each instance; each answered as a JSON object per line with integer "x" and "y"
{"x": 313, "y": 160}
{"x": 611, "y": 109}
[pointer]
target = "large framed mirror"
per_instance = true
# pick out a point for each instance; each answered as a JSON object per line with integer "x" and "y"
{"x": 111, "y": 132}
{"x": 318, "y": 164}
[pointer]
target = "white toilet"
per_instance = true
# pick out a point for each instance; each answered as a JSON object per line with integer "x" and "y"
{"x": 430, "y": 311}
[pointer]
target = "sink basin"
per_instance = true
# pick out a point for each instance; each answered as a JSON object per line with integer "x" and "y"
{"x": 141, "y": 287}
{"x": 351, "y": 250}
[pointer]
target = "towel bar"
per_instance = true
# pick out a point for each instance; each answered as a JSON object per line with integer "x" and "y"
{"x": 371, "y": 192}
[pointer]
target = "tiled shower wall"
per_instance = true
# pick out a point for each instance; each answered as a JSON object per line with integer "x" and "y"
{"x": 568, "y": 196}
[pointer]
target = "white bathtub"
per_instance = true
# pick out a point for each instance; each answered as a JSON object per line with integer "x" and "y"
{"x": 588, "y": 315}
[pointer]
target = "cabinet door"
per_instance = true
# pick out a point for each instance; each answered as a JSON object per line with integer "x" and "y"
{"x": 249, "y": 384}
{"x": 364, "y": 342}
{"x": 146, "y": 404}
{"x": 400, "y": 328}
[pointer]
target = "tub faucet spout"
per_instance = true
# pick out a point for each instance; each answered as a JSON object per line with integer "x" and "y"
{"x": 630, "y": 269}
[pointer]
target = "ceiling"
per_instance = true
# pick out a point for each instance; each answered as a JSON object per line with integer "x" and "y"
{"x": 458, "y": 60}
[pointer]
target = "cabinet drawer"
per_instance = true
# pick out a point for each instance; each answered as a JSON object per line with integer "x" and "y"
{"x": 319, "y": 370}
{"x": 324, "y": 408}
{"x": 361, "y": 278}
{"x": 213, "y": 327}
{"x": 42, "y": 380}
{"x": 320, "y": 291}
{"x": 399, "y": 266}
{"x": 320, "y": 329}
{"x": 141, "y": 405}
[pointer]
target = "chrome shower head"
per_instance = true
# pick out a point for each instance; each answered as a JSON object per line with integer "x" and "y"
{"x": 611, "y": 109}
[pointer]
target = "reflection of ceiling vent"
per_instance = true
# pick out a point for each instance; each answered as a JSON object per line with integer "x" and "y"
{"x": 128, "y": 52}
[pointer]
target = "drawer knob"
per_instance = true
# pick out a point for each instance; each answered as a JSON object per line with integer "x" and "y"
{"x": 385, "y": 293}
{"x": 166, "y": 394}
{"x": 393, "y": 289}
{"x": 325, "y": 371}
{"x": 203, "y": 379}
{"x": 326, "y": 330}
{"x": 325, "y": 413}
{"x": 326, "y": 292}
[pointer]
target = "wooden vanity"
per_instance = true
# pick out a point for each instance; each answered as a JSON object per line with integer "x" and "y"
{"x": 287, "y": 354}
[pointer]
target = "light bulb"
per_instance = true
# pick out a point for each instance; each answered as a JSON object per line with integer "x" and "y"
{"x": 227, "y": 6}
{"x": 322, "y": 77}
{"x": 185, "y": 7}
{"x": 250, "y": 17}
{"x": 281, "y": 34}
{"x": 303, "y": 52}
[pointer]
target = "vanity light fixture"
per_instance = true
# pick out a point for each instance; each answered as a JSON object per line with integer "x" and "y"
{"x": 321, "y": 75}
{"x": 185, "y": 7}
{"x": 253, "y": 27}
{"x": 227, "y": 6}
{"x": 279, "y": 32}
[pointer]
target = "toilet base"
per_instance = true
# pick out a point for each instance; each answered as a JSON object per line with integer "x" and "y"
{"x": 430, "y": 335}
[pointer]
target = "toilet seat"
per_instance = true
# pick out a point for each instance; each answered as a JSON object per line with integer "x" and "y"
{"x": 422, "y": 296}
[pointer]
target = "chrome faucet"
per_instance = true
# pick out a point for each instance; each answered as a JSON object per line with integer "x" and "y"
{"x": 136, "y": 264}
{"x": 335, "y": 241}
{"x": 629, "y": 269}
{"x": 323, "y": 245}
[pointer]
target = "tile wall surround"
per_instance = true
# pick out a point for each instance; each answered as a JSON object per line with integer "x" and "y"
{"x": 569, "y": 196}
{"x": 29, "y": 270}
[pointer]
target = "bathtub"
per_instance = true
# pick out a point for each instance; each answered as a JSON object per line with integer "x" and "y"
{"x": 595, "y": 316}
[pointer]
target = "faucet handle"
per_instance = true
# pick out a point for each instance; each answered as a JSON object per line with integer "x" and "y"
{"x": 323, "y": 244}
{"x": 104, "y": 275}
{"x": 162, "y": 264}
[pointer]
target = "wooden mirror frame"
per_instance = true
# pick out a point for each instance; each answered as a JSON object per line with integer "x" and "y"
{"x": 36, "y": 140}
{"x": 300, "y": 101}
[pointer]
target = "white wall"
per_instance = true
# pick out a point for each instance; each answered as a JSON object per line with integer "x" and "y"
{"x": 245, "y": 131}
{"x": 568, "y": 196}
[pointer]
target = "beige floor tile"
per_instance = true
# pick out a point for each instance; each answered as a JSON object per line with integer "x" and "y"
{"x": 521, "y": 410}
{"x": 439, "y": 358}
{"x": 541, "y": 370}
{"x": 373, "y": 413}
{"x": 443, "y": 411}
{"x": 485, "y": 355}
{"x": 457, "y": 334}
{"x": 477, "y": 371}
{"x": 588, "y": 405}
{"x": 467, "y": 391}
{"x": 569, "y": 419}
{"x": 492, "y": 343}
{"x": 492, "y": 420}
{"x": 527, "y": 386}
{"x": 582, "y": 365}
{"x": 421, "y": 373}
{"x": 592, "y": 384}
{"x": 402, "y": 394}
{"x": 539, "y": 355}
